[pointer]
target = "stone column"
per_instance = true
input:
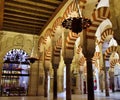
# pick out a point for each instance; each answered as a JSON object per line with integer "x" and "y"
{"x": 81, "y": 83}
{"x": 68, "y": 79}
{"x": 90, "y": 84}
{"x": 41, "y": 80}
{"x": 97, "y": 79}
{"x": 101, "y": 79}
{"x": 106, "y": 78}
{"x": 46, "y": 83}
{"x": 77, "y": 88}
{"x": 111, "y": 75}
{"x": 51, "y": 84}
{"x": 1, "y": 66}
{"x": 32, "y": 87}
{"x": 55, "y": 82}
{"x": 60, "y": 83}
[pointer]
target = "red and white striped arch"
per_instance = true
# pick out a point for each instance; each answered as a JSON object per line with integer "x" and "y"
{"x": 82, "y": 61}
{"x": 56, "y": 51}
{"x": 79, "y": 50}
{"x": 57, "y": 22}
{"x": 98, "y": 16}
{"x": 71, "y": 38}
{"x": 109, "y": 51}
{"x": 49, "y": 32}
{"x": 58, "y": 40}
{"x": 113, "y": 62}
{"x": 95, "y": 58}
{"x": 69, "y": 44}
{"x": 47, "y": 59}
{"x": 57, "y": 47}
{"x": 106, "y": 33}
{"x": 48, "y": 54}
{"x": 96, "y": 55}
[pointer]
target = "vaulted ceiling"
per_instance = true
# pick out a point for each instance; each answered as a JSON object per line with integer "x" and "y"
{"x": 28, "y": 16}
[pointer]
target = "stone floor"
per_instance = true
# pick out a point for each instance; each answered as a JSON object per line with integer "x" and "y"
{"x": 61, "y": 96}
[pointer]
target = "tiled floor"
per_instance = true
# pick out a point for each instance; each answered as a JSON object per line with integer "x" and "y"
{"x": 61, "y": 96}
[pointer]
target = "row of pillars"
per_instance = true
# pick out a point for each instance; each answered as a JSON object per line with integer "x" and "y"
{"x": 90, "y": 84}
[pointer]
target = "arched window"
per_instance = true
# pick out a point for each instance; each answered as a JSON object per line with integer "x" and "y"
{"x": 16, "y": 56}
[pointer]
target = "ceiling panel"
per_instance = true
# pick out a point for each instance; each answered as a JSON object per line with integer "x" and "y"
{"x": 28, "y": 16}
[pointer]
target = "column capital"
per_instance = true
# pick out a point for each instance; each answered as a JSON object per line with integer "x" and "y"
{"x": 68, "y": 60}
{"x": 55, "y": 66}
{"x": 89, "y": 54}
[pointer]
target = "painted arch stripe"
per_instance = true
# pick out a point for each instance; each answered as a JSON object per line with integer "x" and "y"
{"x": 71, "y": 38}
{"x": 101, "y": 13}
{"x": 79, "y": 50}
{"x": 57, "y": 23}
{"x": 109, "y": 50}
{"x": 96, "y": 55}
{"x": 113, "y": 62}
{"x": 45, "y": 40}
{"x": 82, "y": 61}
{"x": 58, "y": 47}
{"x": 49, "y": 32}
{"x": 105, "y": 34}
{"x": 98, "y": 16}
{"x": 48, "y": 54}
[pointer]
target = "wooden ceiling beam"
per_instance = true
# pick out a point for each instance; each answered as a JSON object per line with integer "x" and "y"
{"x": 28, "y": 7}
{"x": 19, "y": 12}
{"x": 21, "y": 24}
{"x": 27, "y": 17}
{"x": 1, "y": 13}
{"x": 53, "y": 15}
{"x": 53, "y": 1}
{"x": 23, "y": 20}
{"x": 28, "y": 13}
{"x": 33, "y": 3}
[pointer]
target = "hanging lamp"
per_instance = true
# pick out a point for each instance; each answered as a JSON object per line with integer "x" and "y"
{"x": 76, "y": 24}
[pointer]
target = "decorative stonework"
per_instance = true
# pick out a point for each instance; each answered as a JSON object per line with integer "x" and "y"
{"x": 18, "y": 40}
{"x": 29, "y": 42}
